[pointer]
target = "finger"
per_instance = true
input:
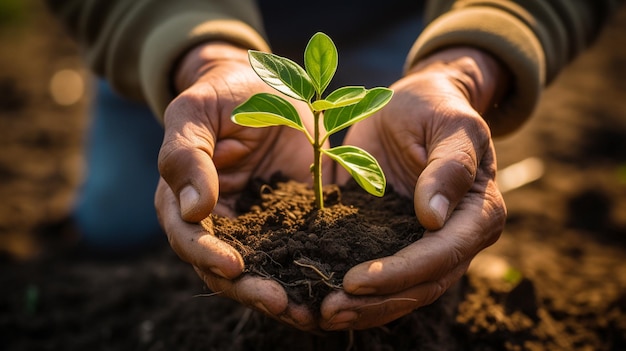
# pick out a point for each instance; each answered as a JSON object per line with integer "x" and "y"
{"x": 450, "y": 171}
{"x": 264, "y": 295}
{"x": 185, "y": 162}
{"x": 476, "y": 223}
{"x": 192, "y": 242}
{"x": 341, "y": 311}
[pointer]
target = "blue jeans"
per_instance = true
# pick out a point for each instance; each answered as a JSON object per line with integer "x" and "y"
{"x": 115, "y": 209}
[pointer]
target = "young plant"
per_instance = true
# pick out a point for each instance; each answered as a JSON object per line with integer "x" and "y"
{"x": 338, "y": 110}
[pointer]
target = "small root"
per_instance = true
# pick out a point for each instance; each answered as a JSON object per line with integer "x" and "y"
{"x": 269, "y": 257}
{"x": 350, "y": 340}
{"x": 260, "y": 272}
{"x": 208, "y": 295}
{"x": 318, "y": 271}
{"x": 309, "y": 263}
{"x": 242, "y": 322}
{"x": 238, "y": 245}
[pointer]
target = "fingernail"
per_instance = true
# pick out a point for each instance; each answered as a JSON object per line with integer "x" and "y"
{"x": 286, "y": 319}
{"x": 218, "y": 271}
{"x": 440, "y": 204}
{"x": 188, "y": 199}
{"x": 342, "y": 320}
{"x": 261, "y": 307}
{"x": 344, "y": 317}
{"x": 339, "y": 326}
{"x": 364, "y": 290}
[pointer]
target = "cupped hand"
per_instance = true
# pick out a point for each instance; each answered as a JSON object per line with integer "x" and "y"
{"x": 220, "y": 266}
{"x": 434, "y": 145}
{"x": 200, "y": 143}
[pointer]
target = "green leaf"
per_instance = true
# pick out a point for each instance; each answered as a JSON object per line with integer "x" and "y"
{"x": 362, "y": 166}
{"x": 282, "y": 74}
{"x": 320, "y": 61}
{"x": 341, "y": 97}
{"x": 265, "y": 110}
{"x": 339, "y": 118}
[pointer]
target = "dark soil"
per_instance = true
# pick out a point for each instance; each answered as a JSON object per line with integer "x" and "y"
{"x": 556, "y": 279}
{"x": 282, "y": 235}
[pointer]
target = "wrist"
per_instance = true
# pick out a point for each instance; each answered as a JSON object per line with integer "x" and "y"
{"x": 484, "y": 79}
{"x": 202, "y": 57}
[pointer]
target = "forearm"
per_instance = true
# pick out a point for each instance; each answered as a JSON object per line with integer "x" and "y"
{"x": 483, "y": 79}
{"x": 563, "y": 28}
{"x": 534, "y": 39}
{"x": 201, "y": 58}
{"x": 136, "y": 44}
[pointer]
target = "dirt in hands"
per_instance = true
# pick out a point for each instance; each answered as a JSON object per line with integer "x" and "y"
{"x": 565, "y": 235}
{"x": 283, "y": 236}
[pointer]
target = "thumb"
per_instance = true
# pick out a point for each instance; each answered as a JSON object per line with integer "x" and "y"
{"x": 192, "y": 176}
{"x": 449, "y": 175}
{"x": 188, "y": 168}
{"x": 440, "y": 187}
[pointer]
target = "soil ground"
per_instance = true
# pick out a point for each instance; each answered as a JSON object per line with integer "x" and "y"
{"x": 556, "y": 280}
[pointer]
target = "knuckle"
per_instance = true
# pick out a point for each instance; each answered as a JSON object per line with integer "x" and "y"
{"x": 466, "y": 164}
{"x": 167, "y": 154}
{"x": 458, "y": 254}
{"x": 173, "y": 154}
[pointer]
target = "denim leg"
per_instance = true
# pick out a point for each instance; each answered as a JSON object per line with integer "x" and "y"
{"x": 115, "y": 208}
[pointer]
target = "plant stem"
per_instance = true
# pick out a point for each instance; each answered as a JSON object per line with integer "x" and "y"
{"x": 317, "y": 162}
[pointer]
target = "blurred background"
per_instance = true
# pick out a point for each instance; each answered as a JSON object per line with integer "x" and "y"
{"x": 563, "y": 176}
{"x": 44, "y": 95}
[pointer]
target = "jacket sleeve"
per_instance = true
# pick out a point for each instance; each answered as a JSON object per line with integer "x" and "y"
{"x": 535, "y": 39}
{"x": 135, "y": 44}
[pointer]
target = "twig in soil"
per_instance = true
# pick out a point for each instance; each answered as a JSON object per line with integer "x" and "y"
{"x": 268, "y": 256}
{"x": 266, "y": 275}
{"x": 261, "y": 272}
{"x": 300, "y": 282}
{"x": 308, "y": 263}
{"x": 325, "y": 277}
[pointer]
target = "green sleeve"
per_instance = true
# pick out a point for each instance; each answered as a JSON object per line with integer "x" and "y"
{"x": 134, "y": 44}
{"x": 535, "y": 39}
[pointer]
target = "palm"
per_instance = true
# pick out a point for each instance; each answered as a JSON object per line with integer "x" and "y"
{"x": 425, "y": 112}
{"x": 201, "y": 142}
{"x": 199, "y": 121}
{"x": 435, "y": 147}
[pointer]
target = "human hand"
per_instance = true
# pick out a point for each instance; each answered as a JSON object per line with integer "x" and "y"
{"x": 432, "y": 143}
{"x": 201, "y": 142}
{"x": 219, "y": 265}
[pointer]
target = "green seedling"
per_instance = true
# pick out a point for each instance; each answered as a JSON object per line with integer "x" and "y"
{"x": 338, "y": 110}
